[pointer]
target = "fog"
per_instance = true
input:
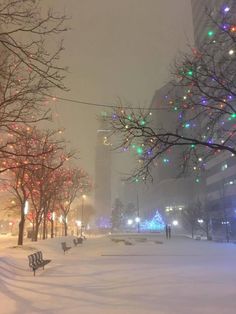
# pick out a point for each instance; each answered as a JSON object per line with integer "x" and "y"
{"x": 115, "y": 49}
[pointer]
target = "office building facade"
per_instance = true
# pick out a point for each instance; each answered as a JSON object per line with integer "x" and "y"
{"x": 220, "y": 172}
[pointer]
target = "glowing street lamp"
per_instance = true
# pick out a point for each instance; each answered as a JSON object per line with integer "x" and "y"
{"x": 26, "y": 207}
{"x": 78, "y": 223}
{"x": 82, "y": 214}
{"x": 130, "y": 222}
{"x": 53, "y": 216}
{"x": 175, "y": 223}
{"x": 137, "y": 220}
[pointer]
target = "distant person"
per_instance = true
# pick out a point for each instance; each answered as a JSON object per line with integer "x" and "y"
{"x": 169, "y": 231}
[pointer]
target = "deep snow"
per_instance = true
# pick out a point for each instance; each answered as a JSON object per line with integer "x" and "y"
{"x": 180, "y": 276}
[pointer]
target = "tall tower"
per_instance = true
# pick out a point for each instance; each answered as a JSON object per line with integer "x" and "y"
{"x": 103, "y": 175}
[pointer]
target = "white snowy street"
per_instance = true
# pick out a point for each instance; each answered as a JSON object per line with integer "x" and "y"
{"x": 180, "y": 276}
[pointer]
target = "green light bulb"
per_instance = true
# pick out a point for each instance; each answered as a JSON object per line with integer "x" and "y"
{"x": 210, "y": 33}
{"x": 190, "y": 73}
{"x": 139, "y": 150}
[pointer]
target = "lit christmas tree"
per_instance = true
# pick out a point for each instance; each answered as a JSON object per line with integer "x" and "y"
{"x": 154, "y": 224}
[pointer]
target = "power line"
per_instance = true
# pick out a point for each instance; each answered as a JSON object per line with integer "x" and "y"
{"x": 104, "y": 105}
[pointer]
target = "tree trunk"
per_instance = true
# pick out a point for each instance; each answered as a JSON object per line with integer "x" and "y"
{"x": 33, "y": 230}
{"x": 36, "y": 231}
{"x": 192, "y": 229}
{"x": 44, "y": 224}
{"x": 65, "y": 228}
{"x": 208, "y": 230}
{"x": 226, "y": 225}
{"x": 21, "y": 228}
{"x": 52, "y": 228}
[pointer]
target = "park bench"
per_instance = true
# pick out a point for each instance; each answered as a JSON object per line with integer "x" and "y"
{"x": 126, "y": 242}
{"x": 117, "y": 240}
{"x": 65, "y": 247}
{"x": 77, "y": 241}
{"x": 36, "y": 261}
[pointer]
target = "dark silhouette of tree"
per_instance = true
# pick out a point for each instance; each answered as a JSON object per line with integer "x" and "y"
{"x": 117, "y": 214}
{"x": 29, "y": 65}
{"x": 202, "y": 98}
{"x": 35, "y": 156}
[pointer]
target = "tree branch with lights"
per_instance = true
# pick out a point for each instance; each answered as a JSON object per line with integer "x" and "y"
{"x": 200, "y": 105}
{"x": 73, "y": 182}
{"x": 30, "y": 47}
{"x": 35, "y": 155}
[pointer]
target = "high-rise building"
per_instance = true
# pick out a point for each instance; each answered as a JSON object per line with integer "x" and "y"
{"x": 103, "y": 175}
{"x": 200, "y": 21}
{"x": 221, "y": 169}
{"x": 168, "y": 189}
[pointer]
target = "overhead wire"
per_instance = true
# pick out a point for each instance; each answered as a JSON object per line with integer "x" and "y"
{"x": 105, "y": 105}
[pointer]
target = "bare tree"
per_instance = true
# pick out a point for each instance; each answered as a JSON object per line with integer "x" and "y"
{"x": 190, "y": 216}
{"x": 29, "y": 64}
{"x": 35, "y": 154}
{"x": 72, "y": 183}
{"x": 202, "y": 98}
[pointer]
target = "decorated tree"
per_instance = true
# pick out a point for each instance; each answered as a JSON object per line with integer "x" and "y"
{"x": 17, "y": 185}
{"x": 202, "y": 100}
{"x": 72, "y": 182}
{"x": 29, "y": 67}
{"x": 156, "y": 223}
{"x": 45, "y": 183}
{"x": 35, "y": 155}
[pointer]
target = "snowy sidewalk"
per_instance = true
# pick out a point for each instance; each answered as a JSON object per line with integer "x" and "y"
{"x": 180, "y": 276}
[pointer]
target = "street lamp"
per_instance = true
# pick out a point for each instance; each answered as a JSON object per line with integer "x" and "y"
{"x": 130, "y": 222}
{"x": 26, "y": 208}
{"x": 137, "y": 220}
{"x": 82, "y": 215}
{"x": 78, "y": 224}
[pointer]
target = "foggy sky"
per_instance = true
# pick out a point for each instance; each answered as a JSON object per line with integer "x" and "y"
{"x": 116, "y": 48}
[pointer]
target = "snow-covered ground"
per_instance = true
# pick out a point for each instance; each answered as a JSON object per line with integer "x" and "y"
{"x": 180, "y": 276}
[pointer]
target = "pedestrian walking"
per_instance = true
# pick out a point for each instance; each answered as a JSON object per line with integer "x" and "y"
{"x": 169, "y": 231}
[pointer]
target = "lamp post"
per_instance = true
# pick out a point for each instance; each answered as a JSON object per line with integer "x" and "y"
{"x": 138, "y": 218}
{"x": 76, "y": 222}
{"x": 82, "y": 215}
